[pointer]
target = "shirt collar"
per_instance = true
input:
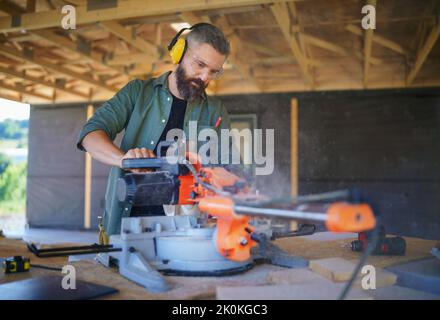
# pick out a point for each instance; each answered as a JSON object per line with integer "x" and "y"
{"x": 162, "y": 80}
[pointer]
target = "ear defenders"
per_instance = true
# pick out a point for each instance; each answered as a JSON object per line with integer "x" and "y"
{"x": 178, "y": 45}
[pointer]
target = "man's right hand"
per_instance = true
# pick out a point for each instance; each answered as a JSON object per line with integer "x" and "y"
{"x": 135, "y": 154}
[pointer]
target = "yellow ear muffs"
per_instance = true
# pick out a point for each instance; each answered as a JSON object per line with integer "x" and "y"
{"x": 177, "y": 46}
{"x": 178, "y": 50}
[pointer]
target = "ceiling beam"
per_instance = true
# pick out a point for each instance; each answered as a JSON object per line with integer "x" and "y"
{"x": 423, "y": 53}
{"x": 131, "y": 38}
{"x": 281, "y": 14}
{"x": 84, "y": 51}
{"x": 24, "y": 91}
{"x": 382, "y": 41}
{"x": 9, "y": 97}
{"x": 15, "y": 54}
{"x": 11, "y": 8}
{"x": 330, "y": 46}
{"x": 235, "y": 44}
{"x": 57, "y": 86}
{"x": 122, "y": 10}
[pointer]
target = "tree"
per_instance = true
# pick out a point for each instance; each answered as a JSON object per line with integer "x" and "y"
{"x": 5, "y": 161}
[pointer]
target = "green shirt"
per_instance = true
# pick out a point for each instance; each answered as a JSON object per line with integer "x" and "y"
{"x": 142, "y": 108}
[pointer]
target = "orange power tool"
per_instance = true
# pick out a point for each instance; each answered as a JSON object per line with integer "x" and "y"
{"x": 227, "y": 198}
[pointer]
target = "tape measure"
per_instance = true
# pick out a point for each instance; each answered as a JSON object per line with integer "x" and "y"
{"x": 16, "y": 264}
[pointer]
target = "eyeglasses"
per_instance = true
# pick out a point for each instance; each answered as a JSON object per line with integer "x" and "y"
{"x": 198, "y": 66}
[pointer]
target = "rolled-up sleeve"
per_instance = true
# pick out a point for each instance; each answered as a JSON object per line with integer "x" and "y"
{"x": 112, "y": 117}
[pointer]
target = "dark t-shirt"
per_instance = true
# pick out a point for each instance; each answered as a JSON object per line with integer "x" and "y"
{"x": 175, "y": 121}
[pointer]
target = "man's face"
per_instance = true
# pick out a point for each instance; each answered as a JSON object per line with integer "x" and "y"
{"x": 201, "y": 64}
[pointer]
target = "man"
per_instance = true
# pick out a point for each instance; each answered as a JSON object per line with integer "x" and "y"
{"x": 147, "y": 110}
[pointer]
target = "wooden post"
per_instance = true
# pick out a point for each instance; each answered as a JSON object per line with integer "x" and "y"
{"x": 88, "y": 180}
{"x": 294, "y": 147}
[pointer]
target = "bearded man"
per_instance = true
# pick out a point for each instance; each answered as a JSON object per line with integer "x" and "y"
{"x": 148, "y": 109}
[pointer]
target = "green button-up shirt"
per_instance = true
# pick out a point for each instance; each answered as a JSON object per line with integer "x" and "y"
{"x": 142, "y": 108}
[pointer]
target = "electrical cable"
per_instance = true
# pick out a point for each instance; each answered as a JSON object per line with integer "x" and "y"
{"x": 370, "y": 248}
{"x": 40, "y": 266}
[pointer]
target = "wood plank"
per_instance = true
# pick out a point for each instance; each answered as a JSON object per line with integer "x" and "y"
{"x": 15, "y": 54}
{"x": 123, "y": 10}
{"x": 13, "y": 73}
{"x": 24, "y": 91}
{"x": 123, "y": 33}
{"x": 281, "y": 14}
{"x": 330, "y": 46}
{"x": 382, "y": 41}
{"x": 234, "y": 57}
{"x": 294, "y": 147}
{"x": 88, "y": 179}
{"x": 423, "y": 53}
{"x": 71, "y": 46}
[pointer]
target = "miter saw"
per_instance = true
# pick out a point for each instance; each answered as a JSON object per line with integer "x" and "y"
{"x": 232, "y": 230}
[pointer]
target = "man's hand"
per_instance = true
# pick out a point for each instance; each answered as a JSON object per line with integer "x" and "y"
{"x": 138, "y": 153}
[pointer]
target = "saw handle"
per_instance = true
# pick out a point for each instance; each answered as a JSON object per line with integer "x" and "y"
{"x": 143, "y": 163}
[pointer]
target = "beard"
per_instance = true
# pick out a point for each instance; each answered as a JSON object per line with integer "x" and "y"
{"x": 189, "y": 88}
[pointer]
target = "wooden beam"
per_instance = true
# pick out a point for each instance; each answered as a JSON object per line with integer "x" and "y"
{"x": 24, "y": 91}
{"x": 294, "y": 147}
{"x": 122, "y": 10}
{"x": 18, "y": 55}
{"x": 382, "y": 41}
{"x": 123, "y": 33}
{"x": 423, "y": 53}
{"x": 192, "y": 18}
{"x": 11, "y": 8}
{"x": 330, "y": 46}
{"x": 261, "y": 49}
{"x": 31, "y": 5}
{"x": 65, "y": 43}
{"x": 9, "y": 97}
{"x": 234, "y": 57}
{"x": 127, "y": 59}
{"x": 21, "y": 75}
{"x": 305, "y": 48}
{"x": 88, "y": 179}
{"x": 368, "y": 45}
{"x": 281, "y": 14}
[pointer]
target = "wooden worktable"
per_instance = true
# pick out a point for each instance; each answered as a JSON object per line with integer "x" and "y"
{"x": 204, "y": 287}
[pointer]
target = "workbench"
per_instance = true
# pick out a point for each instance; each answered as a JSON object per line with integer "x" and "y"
{"x": 310, "y": 247}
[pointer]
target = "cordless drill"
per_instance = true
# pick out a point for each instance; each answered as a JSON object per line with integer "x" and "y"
{"x": 392, "y": 246}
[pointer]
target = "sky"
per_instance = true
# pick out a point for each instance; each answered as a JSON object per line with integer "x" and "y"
{"x": 13, "y": 110}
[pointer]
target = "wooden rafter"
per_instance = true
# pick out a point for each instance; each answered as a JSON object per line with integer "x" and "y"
{"x": 15, "y": 54}
{"x": 330, "y": 46}
{"x": 423, "y": 53}
{"x": 282, "y": 17}
{"x": 130, "y": 37}
{"x": 382, "y": 41}
{"x": 64, "y": 43}
{"x": 234, "y": 58}
{"x": 24, "y": 91}
{"x": 21, "y": 75}
{"x": 299, "y": 29}
{"x": 122, "y": 10}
